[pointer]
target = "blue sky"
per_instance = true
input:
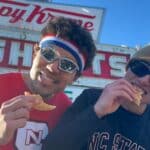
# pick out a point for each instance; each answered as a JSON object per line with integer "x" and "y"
{"x": 126, "y": 22}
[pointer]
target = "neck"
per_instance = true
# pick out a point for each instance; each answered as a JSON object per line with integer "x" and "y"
{"x": 28, "y": 81}
{"x": 139, "y": 110}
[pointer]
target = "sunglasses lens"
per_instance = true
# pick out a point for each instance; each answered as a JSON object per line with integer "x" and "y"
{"x": 67, "y": 65}
{"x": 48, "y": 53}
{"x": 140, "y": 68}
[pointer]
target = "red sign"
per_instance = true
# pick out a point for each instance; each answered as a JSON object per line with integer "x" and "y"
{"x": 17, "y": 54}
{"x": 34, "y": 16}
{"x": 108, "y": 65}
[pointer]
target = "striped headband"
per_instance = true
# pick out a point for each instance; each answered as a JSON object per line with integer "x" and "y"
{"x": 68, "y": 46}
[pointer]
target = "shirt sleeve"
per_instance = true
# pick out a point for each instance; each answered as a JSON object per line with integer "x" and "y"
{"x": 73, "y": 130}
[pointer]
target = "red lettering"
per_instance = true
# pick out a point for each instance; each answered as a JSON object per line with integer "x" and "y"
{"x": 43, "y": 17}
{"x": 17, "y": 15}
{"x": 89, "y": 26}
{"x": 5, "y": 11}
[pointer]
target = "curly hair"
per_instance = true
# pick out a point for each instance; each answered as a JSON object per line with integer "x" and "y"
{"x": 68, "y": 29}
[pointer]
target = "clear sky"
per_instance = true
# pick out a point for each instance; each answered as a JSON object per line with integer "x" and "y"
{"x": 126, "y": 22}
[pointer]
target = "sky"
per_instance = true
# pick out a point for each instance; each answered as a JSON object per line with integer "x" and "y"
{"x": 125, "y": 22}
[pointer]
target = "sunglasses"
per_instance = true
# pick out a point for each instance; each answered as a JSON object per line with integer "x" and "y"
{"x": 64, "y": 64}
{"x": 139, "y": 67}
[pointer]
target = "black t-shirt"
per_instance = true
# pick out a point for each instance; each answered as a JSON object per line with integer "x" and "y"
{"x": 81, "y": 129}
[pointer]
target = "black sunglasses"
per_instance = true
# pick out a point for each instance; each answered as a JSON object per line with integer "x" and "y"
{"x": 65, "y": 64}
{"x": 140, "y": 68}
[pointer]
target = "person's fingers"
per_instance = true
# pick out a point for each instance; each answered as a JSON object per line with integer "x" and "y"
{"x": 126, "y": 83}
{"x": 18, "y": 102}
{"x": 124, "y": 91}
{"x": 19, "y": 113}
{"x": 123, "y": 94}
{"x": 10, "y": 127}
{"x": 122, "y": 86}
{"x": 19, "y": 123}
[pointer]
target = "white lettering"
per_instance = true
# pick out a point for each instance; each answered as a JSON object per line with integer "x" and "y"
{"x": 16, "y": 53}
{"x": 27, "y": 61}
{"x": 97, "y": 63}
{"x": 36, "y": 137}
{"x": 117, "y": 64}
{"x": 2, "y": 45}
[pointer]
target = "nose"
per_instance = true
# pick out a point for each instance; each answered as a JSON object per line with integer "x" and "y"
{"x": 53, "y": 67}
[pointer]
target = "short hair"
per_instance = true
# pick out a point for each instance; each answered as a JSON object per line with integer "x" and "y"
{"x": 69, "y": 30}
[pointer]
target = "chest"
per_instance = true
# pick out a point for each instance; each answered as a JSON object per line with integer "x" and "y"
{"x": 121, "y": 134}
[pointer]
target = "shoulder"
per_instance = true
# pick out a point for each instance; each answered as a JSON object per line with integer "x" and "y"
{"x": 9, "y": 75}
{"x": 89, "y": 96}
{"x": 91, "y": 93}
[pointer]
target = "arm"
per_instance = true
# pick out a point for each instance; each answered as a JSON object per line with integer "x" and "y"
{"x": 75, "y": 127}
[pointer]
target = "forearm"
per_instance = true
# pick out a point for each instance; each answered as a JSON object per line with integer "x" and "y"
{"x": 73, "y": 134}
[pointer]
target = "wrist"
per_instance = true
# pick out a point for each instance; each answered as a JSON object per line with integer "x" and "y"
{"x": 99, "y": 112}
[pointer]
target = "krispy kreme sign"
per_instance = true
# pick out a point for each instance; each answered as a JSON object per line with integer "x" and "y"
{"x": 108, "y": 65}
{"x": 34, "y": 16}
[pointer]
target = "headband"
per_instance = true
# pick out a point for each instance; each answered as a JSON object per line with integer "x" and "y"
{"x": 68, "y": 46}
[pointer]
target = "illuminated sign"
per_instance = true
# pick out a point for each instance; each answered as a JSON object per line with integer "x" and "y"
{"x": 34, "y": 16}
{"x": 108, "y": 65}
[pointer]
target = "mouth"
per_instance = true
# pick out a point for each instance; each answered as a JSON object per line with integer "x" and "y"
{"x": 47, "y": 79}
{"x": 140, "y": 89}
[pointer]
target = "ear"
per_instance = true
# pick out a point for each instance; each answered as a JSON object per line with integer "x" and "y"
{"x": 77, "y": 75}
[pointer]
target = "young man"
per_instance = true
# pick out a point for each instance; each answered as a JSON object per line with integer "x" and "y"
{"x": 109, "y": 119}
{"x": 65, "y": 50}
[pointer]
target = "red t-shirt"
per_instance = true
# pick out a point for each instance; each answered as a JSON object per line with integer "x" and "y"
{"x": 30, "y": 137}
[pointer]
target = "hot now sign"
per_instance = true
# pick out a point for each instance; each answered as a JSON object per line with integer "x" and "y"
{"x": 108, "y": 64}
{"x": 34, "y": 16}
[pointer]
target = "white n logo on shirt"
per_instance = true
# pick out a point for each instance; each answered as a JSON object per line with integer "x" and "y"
{"x": 30, "y": 137}
{"x": 33, "y": 137}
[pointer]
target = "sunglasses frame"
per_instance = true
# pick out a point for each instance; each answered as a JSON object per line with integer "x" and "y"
{"x": 133, "y": 65}
{"x": 59, "y": 60}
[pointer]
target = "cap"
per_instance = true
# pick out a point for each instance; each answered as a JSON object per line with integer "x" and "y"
{"x": 143, "y": 53}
